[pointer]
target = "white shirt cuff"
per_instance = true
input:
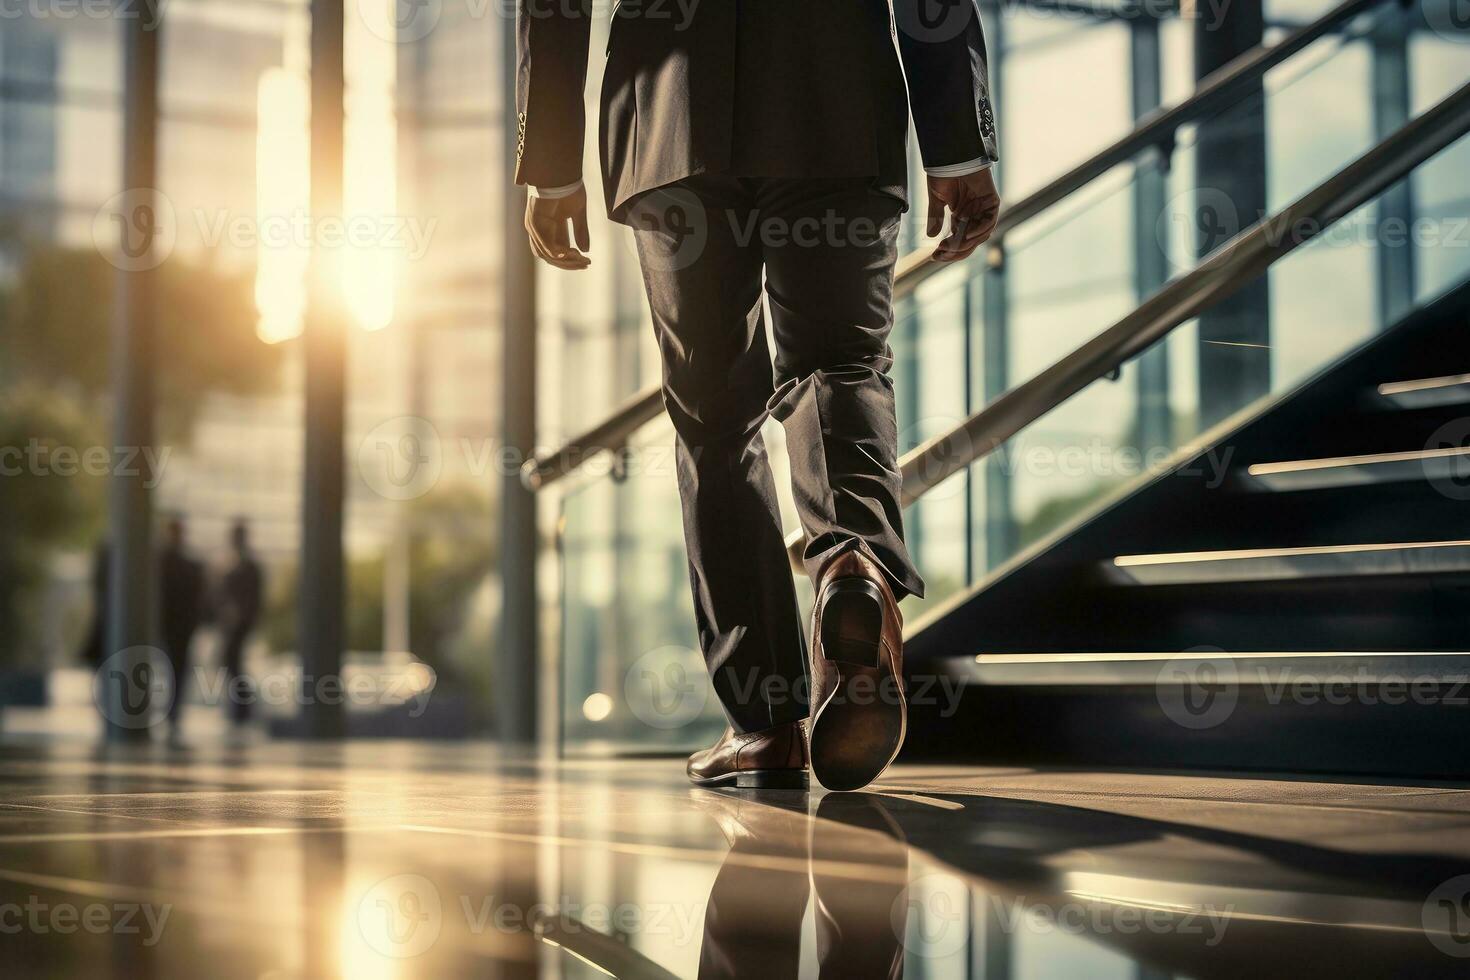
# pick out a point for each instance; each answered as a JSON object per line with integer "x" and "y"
{"x": 552, "y": 193}
{"x": 960, "y": 169}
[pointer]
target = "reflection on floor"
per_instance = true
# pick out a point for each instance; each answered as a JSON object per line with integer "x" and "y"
{"x": 394, "y": 860}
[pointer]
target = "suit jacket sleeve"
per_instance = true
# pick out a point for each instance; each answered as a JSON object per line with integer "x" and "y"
{"x": 942, "y": 46}
{"x": 551, "y": 73}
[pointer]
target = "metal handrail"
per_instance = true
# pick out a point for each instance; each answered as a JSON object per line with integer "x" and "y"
{"x": 1218, "y": 90}
{"x": 1225, "y": 270}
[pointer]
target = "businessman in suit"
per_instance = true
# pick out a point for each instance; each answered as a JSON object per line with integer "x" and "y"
{"x": 758, "y": 149}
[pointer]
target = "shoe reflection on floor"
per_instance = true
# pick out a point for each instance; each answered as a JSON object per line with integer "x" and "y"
{"x": 757, "y": 907}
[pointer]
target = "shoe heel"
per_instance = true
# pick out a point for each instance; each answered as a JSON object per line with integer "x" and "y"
{"x": 771, "y": 779}
{"x": 852, "y": 622}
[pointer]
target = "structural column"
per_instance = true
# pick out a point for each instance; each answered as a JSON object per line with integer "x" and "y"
{"x": 516, "y": 669}
{"x": 1002, "y": 532}
{"x": 1150, "y": 263}
{"x": 1391, "y": 109}
{"x": 1235, "y": 334}
{"x": 130, "y": 573}
{"x": 325, "y": 347}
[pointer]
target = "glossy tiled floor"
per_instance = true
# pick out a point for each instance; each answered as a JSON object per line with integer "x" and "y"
{"x": 393, "y": 860}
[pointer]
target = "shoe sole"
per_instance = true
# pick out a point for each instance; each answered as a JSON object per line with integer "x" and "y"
{"x": 757, "y": 779}
{"x": 857, "y": 732}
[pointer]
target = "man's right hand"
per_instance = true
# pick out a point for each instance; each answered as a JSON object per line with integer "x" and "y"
{"x": 546, "y": 223}
{"x": 974, "y": 208}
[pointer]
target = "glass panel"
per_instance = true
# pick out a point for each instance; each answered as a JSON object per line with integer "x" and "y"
{"x": 1076, "y": 270}
{"x": 632, "y": 676}
{"x": 1323, "y": 323}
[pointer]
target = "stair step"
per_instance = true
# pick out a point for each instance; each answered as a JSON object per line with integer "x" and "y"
{"x": 1249, "y": 667}
{"x": 1452, "y": 389}
{"x": 1344, "y": 471}
{"x": 1271, "y": 564}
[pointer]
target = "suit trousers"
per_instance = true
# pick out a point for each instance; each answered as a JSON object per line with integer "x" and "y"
{"x": 826, "y": 248}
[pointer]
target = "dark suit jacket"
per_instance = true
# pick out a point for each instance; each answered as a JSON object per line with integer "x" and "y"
{"x": 752, "y": 88}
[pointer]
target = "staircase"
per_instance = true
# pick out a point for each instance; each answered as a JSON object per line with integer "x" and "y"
{"x": 1321, "y": 534}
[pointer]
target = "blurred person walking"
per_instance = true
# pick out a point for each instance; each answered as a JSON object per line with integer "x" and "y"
{"x": 95, "y": 641}
{"x": 238, "y": 606}
{"x": 181, "y": 609}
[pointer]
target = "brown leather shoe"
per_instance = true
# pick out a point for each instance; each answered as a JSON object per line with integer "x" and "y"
{"x": 858, "y": 707}
{"x": 774, "y": 758}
